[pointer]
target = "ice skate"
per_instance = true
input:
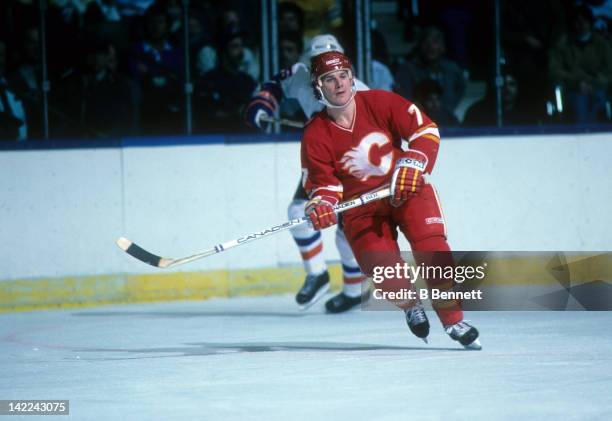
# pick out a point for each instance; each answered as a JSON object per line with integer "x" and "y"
{"x": 342, "y": 302}
{"x": 465, "y": 334}
{"x": 315, "y": 286}
{"x": 417, "y": 321}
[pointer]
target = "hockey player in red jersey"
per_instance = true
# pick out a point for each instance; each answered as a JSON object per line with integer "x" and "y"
{"x": 363, "y": 141}
{"x": 294, "y": 83}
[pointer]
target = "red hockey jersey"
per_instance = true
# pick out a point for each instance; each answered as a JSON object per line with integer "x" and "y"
{"x": 346, "y": 163}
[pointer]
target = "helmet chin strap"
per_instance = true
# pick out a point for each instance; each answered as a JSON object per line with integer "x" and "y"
{"x": 325, "y": 102}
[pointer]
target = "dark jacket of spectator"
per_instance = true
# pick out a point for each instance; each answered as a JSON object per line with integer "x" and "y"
{"x": 514, "y": 109}
{"x": 581, "y": 63}
{"x": 430, "y": 63}
{"x": 157, "y": 66}
{"x": 12, "y": 116}
{"x": 223, "y": 91}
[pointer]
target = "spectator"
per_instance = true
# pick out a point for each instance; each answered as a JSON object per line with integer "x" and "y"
{"x": 602, "y": 13}
{"x": 25, "y": 80}
{"x": 428, "y": 95}
{"x": 463, "y": 24}
{"x": 107, "y": 98}
{"x": 157, "y": 66}
{"x": 581, "y": 63}
{"x": 290, "y": 18}
{"x": 319, "y": 16}
{"x": 382, "y": 78}
{"x": 200, "y": 38}
{"x": 63, "y": 28}
{"x": 291, "y": 47}
{"x": 92, "y": 99}
{"x": 484, "y": 112}
{"x": 103, "y": 18}
{"x": 207, "y": 57}
{"x": 12, "y": 117}
{"x": 457, "y": 19}
{"x": 380, "y": 50}
{"x": 530, "y": 29}
{"x": 430, "y": 63}
{"x": 223, "y": 91}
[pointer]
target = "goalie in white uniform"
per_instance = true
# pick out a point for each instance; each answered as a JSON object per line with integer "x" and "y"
{"x": 295, "y": 82}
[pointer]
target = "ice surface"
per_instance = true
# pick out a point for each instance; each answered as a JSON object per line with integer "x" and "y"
{"x": 260, "y": 358}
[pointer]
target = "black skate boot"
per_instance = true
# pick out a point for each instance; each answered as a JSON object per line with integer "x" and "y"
{"x": 465, "y": 334}
{"x": 315, "y": 286}
{"x": 342, "y": 302}
{"x": 417, "y": 321}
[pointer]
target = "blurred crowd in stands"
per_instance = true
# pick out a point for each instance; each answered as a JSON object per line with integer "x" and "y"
{"x": 118, "y": 67}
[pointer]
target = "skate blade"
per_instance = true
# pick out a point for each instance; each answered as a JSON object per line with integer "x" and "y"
{"x": 320, "y": 293}
{"x": 425, "y": 340}
{"x": 474, "y": 346}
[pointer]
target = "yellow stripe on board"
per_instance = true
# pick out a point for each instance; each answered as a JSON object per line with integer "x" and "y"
{"x": 71, "y": 292}
{"x": 545, "y": 268}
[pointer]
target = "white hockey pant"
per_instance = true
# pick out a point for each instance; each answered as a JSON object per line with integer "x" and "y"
{"x": 310, "y": 244}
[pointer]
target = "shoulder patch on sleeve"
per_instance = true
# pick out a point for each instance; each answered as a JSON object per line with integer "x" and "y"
{"x": 284, "y": 73}
{"x": 299, "y": 67}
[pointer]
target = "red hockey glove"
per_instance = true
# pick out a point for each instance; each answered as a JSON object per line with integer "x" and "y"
{"x": 320, "y": 210}
{"x": 408, "y": 176}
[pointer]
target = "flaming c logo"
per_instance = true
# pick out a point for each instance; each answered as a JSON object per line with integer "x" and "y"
{"x": 359, "y": 162}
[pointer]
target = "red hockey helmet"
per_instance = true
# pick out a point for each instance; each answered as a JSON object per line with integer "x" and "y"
{"x": 326, "y": 63}
{"x": 329, "y": 62}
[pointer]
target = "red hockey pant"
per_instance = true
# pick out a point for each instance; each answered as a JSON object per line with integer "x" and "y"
{"x": 372, "y": 231}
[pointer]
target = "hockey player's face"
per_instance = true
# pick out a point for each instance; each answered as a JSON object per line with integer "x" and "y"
{"x": 337, "y": 87}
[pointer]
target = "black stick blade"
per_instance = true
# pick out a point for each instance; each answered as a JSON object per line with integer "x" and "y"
{"x": 138, "y": 252}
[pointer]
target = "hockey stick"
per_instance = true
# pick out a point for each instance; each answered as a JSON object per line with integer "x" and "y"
{"x": 283, "y": 121}
{"x": 143, "y": 255}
